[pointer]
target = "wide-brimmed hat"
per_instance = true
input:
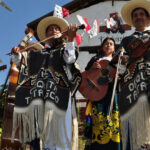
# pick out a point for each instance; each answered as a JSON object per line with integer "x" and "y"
{"x": 130, "y": 6}
{"x": 44, "y": 23}
{"x": 36, "y": 46}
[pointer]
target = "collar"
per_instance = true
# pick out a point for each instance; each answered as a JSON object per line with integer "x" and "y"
{"x": 147, "y": 30}
{"x": 106, "y": 58}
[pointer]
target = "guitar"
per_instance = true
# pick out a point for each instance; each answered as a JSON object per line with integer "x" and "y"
{"x": 139, "y": 47}
{"x": 9, "y": 102}
{"x": 94, "y": 85}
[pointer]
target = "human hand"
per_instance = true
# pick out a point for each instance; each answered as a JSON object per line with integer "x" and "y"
{"x": 15, "y": 50}
{"x": 123, "y": 60}
{"x": 72, "y": 32}
{"x": 96, "y": 65}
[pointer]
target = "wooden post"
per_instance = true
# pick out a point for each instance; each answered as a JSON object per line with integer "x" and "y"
{"x": 113, "y": 2}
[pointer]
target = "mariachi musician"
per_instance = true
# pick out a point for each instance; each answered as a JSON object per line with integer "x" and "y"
{"x": 102, "y": 132}
{"x": 134, "y": 96}
{"x": 44, "y": 97}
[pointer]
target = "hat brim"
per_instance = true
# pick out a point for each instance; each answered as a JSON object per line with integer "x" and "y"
{"x": 36, "y": 46}
{"x": 130, "y": 6}
{"x": 44, "y": 23}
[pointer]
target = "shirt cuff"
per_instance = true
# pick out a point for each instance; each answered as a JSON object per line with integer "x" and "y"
{"x": 70, "y": 48}
{"x": 69, "y": 53}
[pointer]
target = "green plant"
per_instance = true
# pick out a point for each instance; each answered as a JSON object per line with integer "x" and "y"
{"x": 3, "y": 93}
{"x": 0, "y": 132}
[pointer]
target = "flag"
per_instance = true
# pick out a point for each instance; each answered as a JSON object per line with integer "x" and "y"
{"x": 110, "y": 22}
{"x": 84, "y": 21}
{"x": 97, "y": 24}
{"x": 79, "y": 39}
{"x": 65, "y": 12}
{"x": 88, "y": 27}
{"x": 95, "y": 29}
{"x": 58, "y": 11}
{"x": 81, "y": 20}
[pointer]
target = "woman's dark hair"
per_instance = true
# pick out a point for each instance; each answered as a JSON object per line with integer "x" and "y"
{"x": 146, "y": 12}
{"x": 101, "y": 52}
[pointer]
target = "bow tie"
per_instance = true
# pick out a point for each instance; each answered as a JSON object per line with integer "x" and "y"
{"x": 142, "y": 33}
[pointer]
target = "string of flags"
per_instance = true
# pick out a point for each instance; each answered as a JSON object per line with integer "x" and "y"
{"x": 95, "y": 29}
{"x": 91, "y": 31}
{"x": 112, "y": 20}
{"x": 79, "y": 39}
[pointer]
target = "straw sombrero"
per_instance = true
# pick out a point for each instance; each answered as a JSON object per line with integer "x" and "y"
{"x": 44, "y": 23}
{"x": 36, "y": 46}
{"x": 130, "y": 6}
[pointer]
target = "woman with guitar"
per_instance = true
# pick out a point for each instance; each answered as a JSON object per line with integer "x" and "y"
{"x": 105, "y": 133}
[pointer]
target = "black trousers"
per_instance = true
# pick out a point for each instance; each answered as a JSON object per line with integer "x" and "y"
{"x": 35, "y": 144}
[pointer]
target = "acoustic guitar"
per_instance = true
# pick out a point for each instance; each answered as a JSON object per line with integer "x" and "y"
{"x": 8, "y": 113}
{"x": 95, "y": 81}
{"x": 9, "y": 104}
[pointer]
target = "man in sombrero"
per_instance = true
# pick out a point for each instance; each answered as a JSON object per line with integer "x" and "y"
{"x": 44, "y": 101}
{"x": 134, "y": 97}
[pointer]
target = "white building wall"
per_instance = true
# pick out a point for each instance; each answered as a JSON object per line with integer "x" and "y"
{"x": 98, "y": 11}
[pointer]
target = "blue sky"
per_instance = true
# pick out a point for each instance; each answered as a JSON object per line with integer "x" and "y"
{"x": 13, "y": 24}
